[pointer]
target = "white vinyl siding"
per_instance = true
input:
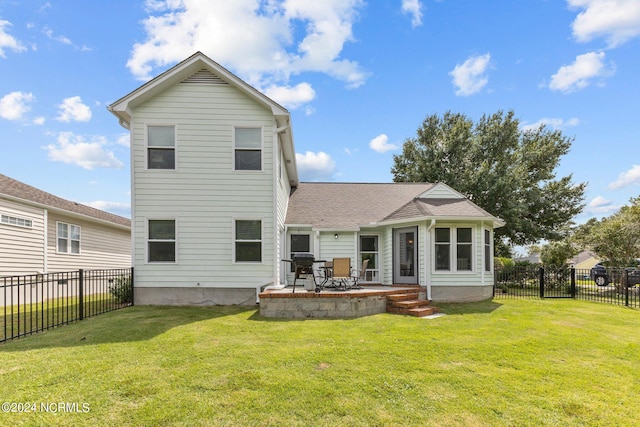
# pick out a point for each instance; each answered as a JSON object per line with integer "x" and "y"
{"x": 202, "y": 194}
{"x": 21, "y": 248}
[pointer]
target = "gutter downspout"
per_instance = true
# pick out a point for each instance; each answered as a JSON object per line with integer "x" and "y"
{"x": 429, "y": 228}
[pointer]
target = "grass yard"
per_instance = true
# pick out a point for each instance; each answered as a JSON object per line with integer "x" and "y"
{"x": 501, "y": 363}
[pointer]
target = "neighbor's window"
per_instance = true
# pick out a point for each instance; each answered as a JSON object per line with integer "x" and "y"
{"x": 443, "y": 249}
{"x": 463, "y": 249}
{"x": 161, "y": 147}
{"x": 68, "y": 238}
{"x": 487, "y": 250}
{"x": 248, "y": 241}
{"x": 162, "y": 240}
{"x": 13, "y": 220}
{"x": 248, "y": 149}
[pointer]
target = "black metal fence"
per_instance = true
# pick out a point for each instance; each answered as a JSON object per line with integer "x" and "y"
{"x": 612, "y": 286}
{"x": 38, "y": 302}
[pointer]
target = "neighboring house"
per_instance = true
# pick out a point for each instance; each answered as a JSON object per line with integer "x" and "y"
{"x": 217, "y": 204}
{"x": 585, "y": 260}
{"x": 42, "y": 233}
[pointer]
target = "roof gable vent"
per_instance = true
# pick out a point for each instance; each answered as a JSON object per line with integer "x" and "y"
{"x": 206, "y": 77}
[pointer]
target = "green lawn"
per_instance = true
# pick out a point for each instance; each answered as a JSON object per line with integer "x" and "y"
{"x": 508, "y": 362}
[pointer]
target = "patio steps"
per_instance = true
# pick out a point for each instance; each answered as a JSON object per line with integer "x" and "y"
{"x": 407, "y": 303}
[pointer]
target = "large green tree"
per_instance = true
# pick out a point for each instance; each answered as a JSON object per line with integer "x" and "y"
{"x": 615, "y": 238}
{"x": 508, "y": 171}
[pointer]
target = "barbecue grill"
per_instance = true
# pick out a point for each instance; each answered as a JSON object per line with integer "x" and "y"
{"x": 303, "y": 266}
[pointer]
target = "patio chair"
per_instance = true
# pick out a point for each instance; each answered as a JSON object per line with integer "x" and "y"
{"x": 342, "y": 272}
{"x": 360, "y": 274}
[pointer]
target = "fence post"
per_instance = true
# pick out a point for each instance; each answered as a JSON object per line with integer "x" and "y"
{"x": 573, "y": 282}
{"x": 80, "y": 294}
{"x": 132, "y": 288}
{"x": 626, "y": 287}
{"x": 541, "y": 282}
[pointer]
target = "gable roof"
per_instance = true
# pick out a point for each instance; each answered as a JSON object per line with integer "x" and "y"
{"x": 21, "y": 192}
{"x": 199, "y": 68}
{"x": 350, "y": 206}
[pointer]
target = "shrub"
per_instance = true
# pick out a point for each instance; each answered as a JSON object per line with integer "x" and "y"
{"x": 122, "y": 290}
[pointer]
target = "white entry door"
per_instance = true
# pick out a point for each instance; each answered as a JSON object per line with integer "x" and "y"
{"x": 405, "y": 255}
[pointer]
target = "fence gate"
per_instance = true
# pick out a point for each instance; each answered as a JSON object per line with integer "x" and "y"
{"x": 557, "y": 283}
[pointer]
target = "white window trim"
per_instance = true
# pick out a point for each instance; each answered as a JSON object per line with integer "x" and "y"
{"x": 234, "y": 241}
{"x": 146, "y": 146}
{"x": 6, "y": 219}
{"x": 146, "y": 241}
{"x": 69, "y": 240}
{"x": 233, "y": 148}
{"x": 453, "y": 245}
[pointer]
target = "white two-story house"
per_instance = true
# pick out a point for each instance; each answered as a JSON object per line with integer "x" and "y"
{"x": 217, "y": 204}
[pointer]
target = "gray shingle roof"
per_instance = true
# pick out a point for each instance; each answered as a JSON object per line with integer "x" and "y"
{"x": 354, "y": 205}
{"x": 19, "y": 190}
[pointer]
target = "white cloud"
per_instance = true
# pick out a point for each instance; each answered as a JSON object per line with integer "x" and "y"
{"x": 7, "y": 41}
{"x": 73, "y": 149}
{"x": 553, "y": 123}
{"x": 615, "y": 20}
{"x": 579, "y": 75}
{"x": 256, "y": 39}
{"x": 601, "y": 207}
{"x": 124, "y": 139}
{"x": 291, "y": 97}
{"x": 15, "y": 105}
{"x": 49, "y": 33}
{"x": 627, "y": 178}
{"x": 39, "y": 121}
{"x": 470, "y": 77}
{"x": 113, "y": 207}
{"x": 315, "y": 166}
{"x": 381, "y": 144}
{"x": 413, "y": 8}
{"x": 72, "y": 109}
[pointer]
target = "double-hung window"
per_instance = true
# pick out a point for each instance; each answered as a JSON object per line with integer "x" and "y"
{"x": 443, "y": 249}
{"x": 248, "y": 240}
{"x": 453, "y": 248}
{"x": 248, "y": 149}
{"x": 463, "y": 249}
{"x": 162, "y": 240}
{"x": 161, "y": 147}
{"x": 68, "y": 238}
{"x": 487, "y": 250}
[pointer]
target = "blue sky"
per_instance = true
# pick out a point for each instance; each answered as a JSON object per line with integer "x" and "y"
{"x": 358, "y": 77}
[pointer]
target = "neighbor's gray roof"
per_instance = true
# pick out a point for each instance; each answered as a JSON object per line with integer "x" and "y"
{"x": 16, "y": 189}
{"x": 355, "y": 205}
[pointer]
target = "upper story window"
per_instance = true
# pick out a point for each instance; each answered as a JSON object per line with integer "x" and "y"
{"x": 161, "y": 147}
{"x": 248, "y": 149}
{"x": 162, "y": 240}
{"x": 14, "y": 220}
{"x": 68, "y": 238}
